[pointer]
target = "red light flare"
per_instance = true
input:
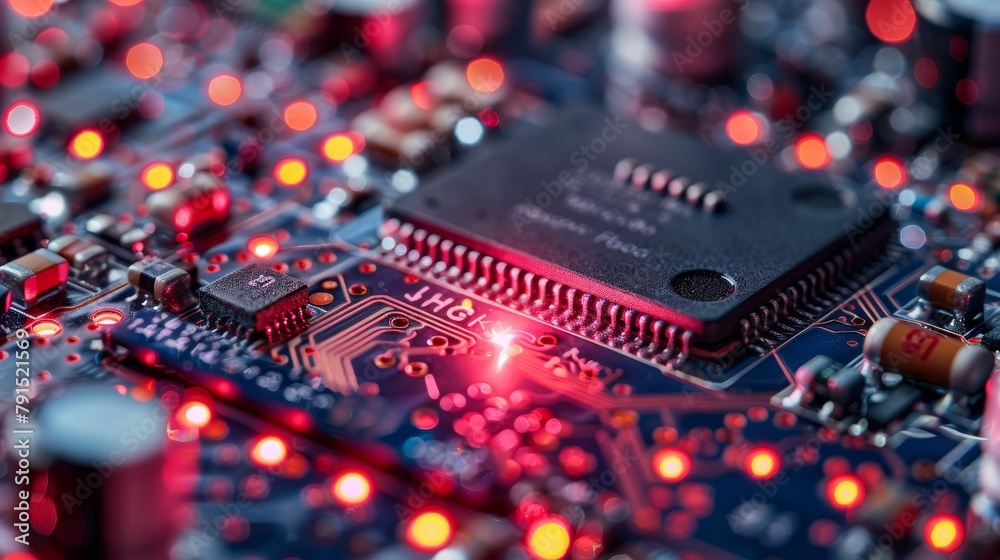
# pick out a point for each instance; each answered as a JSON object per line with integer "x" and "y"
{"x": 430, "y": 530}
{"x": 944, "y": 532}
{"x": 352, "y": 488}
{"x": 744, "y": 127}
{"x": 891, "y": 21}
{"x": 485, "y": 75}
{"x": 965, "y": 197}
{"x": 269, "y": 451}
{"x": 672, "y": 465}
{"x": 811, "y": 151}
{"x": 845, "y": 491}
{"x": 889, "y": 172}
{"x": 762, "y": 462}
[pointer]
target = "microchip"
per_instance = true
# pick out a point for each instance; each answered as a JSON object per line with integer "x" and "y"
{"x": 256, "y": 301}
{"x": 716, "y": 243}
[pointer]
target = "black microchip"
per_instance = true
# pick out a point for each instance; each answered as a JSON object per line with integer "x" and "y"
{"x": 256, "y": 300}
{"x": 549, "y": 204}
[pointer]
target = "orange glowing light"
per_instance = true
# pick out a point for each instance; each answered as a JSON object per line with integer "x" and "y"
{"x": 31, "y": 8}
{"x": 46, "y": 327}
{"x": 889, "y": 173}
{"x": 845, "y": 491}
{"x": 157, "y": 176}
{"x": 262, "y": 246}
{"x": 485, "y": 75}
{"x": 338, "y": 147}
{"x": 290, "y": 172}
{"x": 762, "y": 462}
{"x": 811, "y": 152}
{"x": 224, "y": 89}
{"x": 352, "y": 489}
{"x": 125, "y": 3}
{"x": 144, "y": 60}
{"x": 87, "y": 144}
{"x": 743, "y": 127}
{"x": 892, "y": 21}
{"x": 195, "y": 414}
{"x": 672, "y": 464}
{"x": 549, "y": 539}
{"x": 300, "y": 115}
{"x": 964, "y": 197}
{"x": 21, "y": 119}
{"x": 429, "y": 531}
{"x": 944, "y": 532}
{"x": 269, "y": 451}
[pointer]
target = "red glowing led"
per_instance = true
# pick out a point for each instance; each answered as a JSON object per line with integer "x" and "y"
{"x": 889, "y": 172}
{"x": 300, "y": 115}
{"x": 31, "y": 8}
{"x": 743, "y": 127}
{"x": 269, "y": 451}
{"x": 891, "y": 21}
{"x": 224, "y": 89}
{"x": 485, "y": 75}
{"x": 811, "y": 152}
{"x": 944, "y": 532}
{"x": 548, "y": 539}
{"x": 762, "y": 462}
{"x": 21, "y": 119}
{"x": 429, "y": 530}
{"x": 845, "y": 491}
{"x": 87, "y": 144}
{"x": 195, "y": 414}
{"x": 290, "y": 172}
{"x": 671, "y": 464}
{"x": 144, "y": 60}
{"x": 964, "y": 197}
{"x": 352, "y": 488}
{"x": 262, "y": 246}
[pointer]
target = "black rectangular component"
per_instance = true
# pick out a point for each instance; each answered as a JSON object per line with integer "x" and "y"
{"x": 256, "y": 300}
{"x": 654, "y": 240}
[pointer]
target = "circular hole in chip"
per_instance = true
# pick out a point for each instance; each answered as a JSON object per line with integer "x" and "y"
{"x": 821, "y": 197}
{"x": 107, "y": 316}
{"x": 703, "y": 285}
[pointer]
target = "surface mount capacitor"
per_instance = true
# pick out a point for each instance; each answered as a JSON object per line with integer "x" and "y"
{"x": 927, "y": 356}
{"x": 961, "y": 296}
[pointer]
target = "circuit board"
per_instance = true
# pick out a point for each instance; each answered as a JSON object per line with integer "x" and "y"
{"x": 535, "y": 279}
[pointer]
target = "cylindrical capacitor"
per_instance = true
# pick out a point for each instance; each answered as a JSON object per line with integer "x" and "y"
{"x": 690, "y": 39}
{"x": 110, "y": 471}
{"x": 957, "y": 293}
{"x": 927, "y": 356}
{"x": 959, "y": 40}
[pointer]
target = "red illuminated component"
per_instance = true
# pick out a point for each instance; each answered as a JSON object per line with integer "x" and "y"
{"x": 845, "y": 491}
{"x": 352, "y": 488}
{"x": 300, "y": 115}
{"x": 811, "y": 152}
{"x": 195, "y": 414}
{"x": 671, "y": 464}
{"x": 762, "y": 462}
{"x": 548, "y": 539}
{"x": 485, "y": 75}
{"x": 944, "y": 532}
{"x": 262, "y": 246}
{"x": 743, "y": 127}
{"x": 964, "y": 197}
{"x": 892, "y": 21}
{"x": 269, "y": 451}
{"x": 144, "y": 60}
{"x": 429, "y": 530}
{"x": 889, "y": 172}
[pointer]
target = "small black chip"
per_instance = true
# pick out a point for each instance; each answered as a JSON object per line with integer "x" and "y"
{"x": 256, "y": 300}
{"x": 599, "y": 219}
